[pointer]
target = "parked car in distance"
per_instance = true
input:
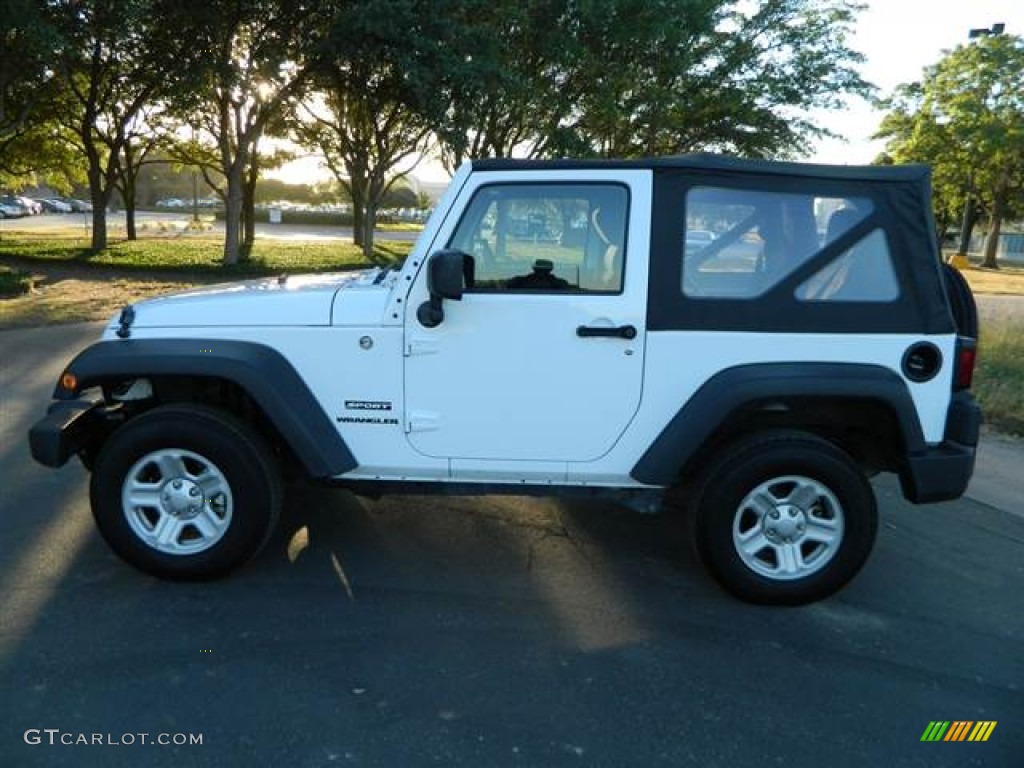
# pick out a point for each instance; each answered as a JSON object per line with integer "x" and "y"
{"x": 33, "y": 205}
{"x": 11, "y": 207}
{"x": 697, "y": 239}
{"x": 78, "y": 206}
{"x": 53, "y": 205}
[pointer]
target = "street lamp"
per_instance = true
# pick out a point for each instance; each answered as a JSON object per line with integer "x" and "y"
{"x": 995, "y": 29}
{"x": 967, "y": 222}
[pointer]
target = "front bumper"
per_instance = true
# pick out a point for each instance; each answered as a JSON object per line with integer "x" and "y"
{"x": 942, "y": 472}
{"x": 68, "y": 427}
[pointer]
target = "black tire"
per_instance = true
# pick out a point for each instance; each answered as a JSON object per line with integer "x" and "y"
{"x": 813, "y": 489}
{"x": 207, "y": 446}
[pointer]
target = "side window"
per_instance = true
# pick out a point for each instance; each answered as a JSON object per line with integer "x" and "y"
{"x": 741, "y": 243}
{"x": 863, "y": 272}
{"x": 545, "y": 237}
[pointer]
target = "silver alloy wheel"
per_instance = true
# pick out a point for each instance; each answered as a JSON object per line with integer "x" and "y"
{"x": 788, "y": 528}
{"x": 177, "y": 501}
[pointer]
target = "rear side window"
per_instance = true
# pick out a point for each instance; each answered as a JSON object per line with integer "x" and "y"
{"x": 741, "y": 243}
{"x": 546, "y": 238}
{"x": 863, "y": 272}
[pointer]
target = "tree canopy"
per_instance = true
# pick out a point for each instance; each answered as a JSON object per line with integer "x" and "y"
{"x": 371, "y": 83}
{"x": 966, "y": 118}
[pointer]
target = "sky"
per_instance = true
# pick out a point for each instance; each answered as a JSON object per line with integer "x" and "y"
{"x": 899, "y": 38}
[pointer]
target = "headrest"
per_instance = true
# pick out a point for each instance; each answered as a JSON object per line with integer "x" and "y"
{"x": 840, "y": 222}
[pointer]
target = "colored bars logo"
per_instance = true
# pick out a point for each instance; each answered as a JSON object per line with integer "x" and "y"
{"x": 958, "y": 730}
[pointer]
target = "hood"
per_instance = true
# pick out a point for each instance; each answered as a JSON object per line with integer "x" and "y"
{"x": 300, "y": 300}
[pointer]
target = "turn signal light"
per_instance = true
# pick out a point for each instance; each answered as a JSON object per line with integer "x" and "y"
{"x": 69, "y": 382}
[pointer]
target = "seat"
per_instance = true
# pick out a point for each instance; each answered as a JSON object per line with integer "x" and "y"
{"x": 604, "y": 254}
{"x": 828, "y": 283}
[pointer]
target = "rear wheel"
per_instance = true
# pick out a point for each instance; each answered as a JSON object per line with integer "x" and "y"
{"x": 784, "y": 518}
{"x": 185, "y": 492}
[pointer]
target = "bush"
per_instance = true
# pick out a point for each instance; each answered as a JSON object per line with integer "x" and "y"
{"x": 14, "y": 282}
{"x": 997, "y": 381}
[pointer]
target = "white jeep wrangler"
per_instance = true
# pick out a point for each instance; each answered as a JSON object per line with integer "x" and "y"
{"x": 763, "y": 336}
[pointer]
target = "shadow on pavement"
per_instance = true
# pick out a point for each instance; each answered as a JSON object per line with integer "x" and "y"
{"x": 493, "y": 631}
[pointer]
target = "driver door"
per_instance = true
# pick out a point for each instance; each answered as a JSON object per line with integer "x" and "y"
{"x": 542, "y": 359}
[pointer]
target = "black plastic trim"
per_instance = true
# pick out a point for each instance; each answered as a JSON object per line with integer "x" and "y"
{"x": 600, "y": 331}
{"x": 260, "y": 370}
{"x": 64, "y": 431}
{"x": 930, "y": 371}
{"x": 961, "y": 301}
{"x": 709, "y": 161}
{"x": 963, "y": 420}
{"x": 728, "y": 390}
{"x": 941, "y": 473}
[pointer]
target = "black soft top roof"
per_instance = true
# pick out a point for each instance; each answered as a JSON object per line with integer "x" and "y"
{"x": 711, "y": 162}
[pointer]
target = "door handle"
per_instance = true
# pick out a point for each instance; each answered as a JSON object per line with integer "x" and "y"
{"x": 615, "y": 332}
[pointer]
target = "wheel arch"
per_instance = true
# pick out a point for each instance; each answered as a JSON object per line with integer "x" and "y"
{"x": 260, "y": 372}
{"x": 830, "y": 400}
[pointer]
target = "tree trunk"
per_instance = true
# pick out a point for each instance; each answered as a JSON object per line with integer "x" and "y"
{"x": 233, "y": 216}
{"x": 248, "y": 216}
{"x": 99, "y": 227}
{"x": 358, "y": 215}
{"x": 98, "y": 197}
{"x": 129, "y": 215}
{"x": 128, "y": 174}
{"x": 369, "y": 219}
{"x": 248, "y": 228}
{"x": 128, "y": 198}
{"x": 252, "y": 175}
{"x": 998, "y": 214}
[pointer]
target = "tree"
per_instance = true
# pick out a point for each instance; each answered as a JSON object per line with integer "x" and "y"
{"x": 113, "y": 57}
{"x": 28, "y": 140}
{"x": 641, "y": 77}
{"x": 513, "y": 97}
{"x": 143, "y": 134}
{"x": 257, "y": 61}
{"x": 916, "y": 136}
{"x": 966, "y": 118}
{"x": 375, "y": 79}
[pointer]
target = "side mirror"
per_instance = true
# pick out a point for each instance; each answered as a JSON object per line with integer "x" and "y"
{"x": 448, "y": 275}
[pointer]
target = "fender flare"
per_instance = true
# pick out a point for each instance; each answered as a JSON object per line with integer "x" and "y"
{"x": 263, "y": 372}
{"x": 734, "y": 387}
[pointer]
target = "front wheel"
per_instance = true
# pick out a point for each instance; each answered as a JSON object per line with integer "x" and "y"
{"x": 784, "y": 518}
{"x": 185, "y": 492}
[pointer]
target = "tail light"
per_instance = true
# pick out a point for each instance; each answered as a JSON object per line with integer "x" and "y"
{"x": 966, "y": 354}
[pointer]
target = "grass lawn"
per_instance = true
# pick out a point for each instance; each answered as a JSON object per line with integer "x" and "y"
{"x": 999, "y": 377}
{"x": 71, "y": 285}
{"x": 1006, "y": 280}
{"x": 201, "y": 255}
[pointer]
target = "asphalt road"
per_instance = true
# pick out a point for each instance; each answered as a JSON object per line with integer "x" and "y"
{"x": 489, "y": 632}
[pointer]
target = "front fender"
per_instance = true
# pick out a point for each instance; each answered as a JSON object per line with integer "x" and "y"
{"x": 262, "y": 372}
